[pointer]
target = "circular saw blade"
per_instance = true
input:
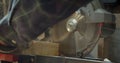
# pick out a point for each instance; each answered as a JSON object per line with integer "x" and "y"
{"x": 79, "y": 41}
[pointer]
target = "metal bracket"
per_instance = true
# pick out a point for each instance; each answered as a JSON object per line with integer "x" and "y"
{"x": 97, "y": 15}
{"x": 101, "y": 15}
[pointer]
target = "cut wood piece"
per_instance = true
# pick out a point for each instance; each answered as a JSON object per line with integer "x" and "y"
{"x": 43, "y": 48}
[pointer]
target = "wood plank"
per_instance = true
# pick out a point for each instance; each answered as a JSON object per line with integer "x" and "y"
{"x": 43, "y": 48}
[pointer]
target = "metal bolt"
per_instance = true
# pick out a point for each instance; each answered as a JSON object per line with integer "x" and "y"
{"x": 71, "y": 25}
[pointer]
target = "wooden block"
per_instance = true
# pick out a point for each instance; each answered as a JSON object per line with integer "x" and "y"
{"x": 43, "y": 48}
